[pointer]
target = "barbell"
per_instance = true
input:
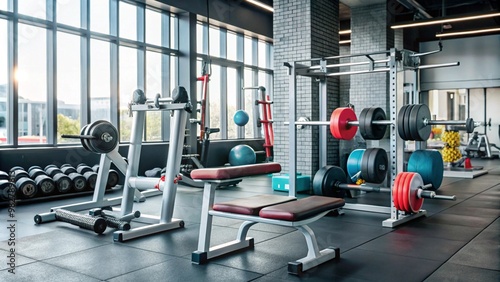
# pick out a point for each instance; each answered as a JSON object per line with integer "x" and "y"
{"x": 408, "y": 191}
{"x": 414, "y": 123}
{"x": 99, "y": 137}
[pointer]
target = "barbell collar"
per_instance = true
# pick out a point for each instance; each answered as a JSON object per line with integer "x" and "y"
{"x": 432, "y": 195}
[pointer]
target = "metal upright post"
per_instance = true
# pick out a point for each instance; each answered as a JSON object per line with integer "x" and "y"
{"x": 173, "y": 164}
{"x": 134, "y": 155}
{"x": 323, "y": 116}
{"x": 292, "y": 104}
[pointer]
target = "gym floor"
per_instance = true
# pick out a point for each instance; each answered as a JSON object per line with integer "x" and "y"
{"x": 456, "y": 241}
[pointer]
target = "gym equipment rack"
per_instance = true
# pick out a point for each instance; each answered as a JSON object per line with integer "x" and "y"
{"x": 396, "y": 63}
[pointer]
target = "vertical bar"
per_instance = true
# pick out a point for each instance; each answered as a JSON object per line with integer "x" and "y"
{"x": 12, "y": 122}
{"x": 173, "y": 164}
{"x": 240, "y": 73}
{"x": 114, "y": 30}
{"x": 206, "y": 218}
{"x": 134, "y": 154}
{"x": 395, "y": 102}
{"x": 85, "y": 101}
{"x": 292, "y": 104}
{"x": 322, "y": 116}
{"x": 51, "y": 127}
{"x": 485, "y": 114}
{"x": 165, "y": 70}
{"x": 223, "y": 102}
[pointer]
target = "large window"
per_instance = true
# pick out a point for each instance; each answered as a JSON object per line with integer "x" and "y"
{"x": 237, "y": 61}
{"x": 79, "y": 61}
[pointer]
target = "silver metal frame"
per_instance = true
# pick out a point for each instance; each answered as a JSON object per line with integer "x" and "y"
{"x": 205, "y": 252}
{"x": 395, "y": 63}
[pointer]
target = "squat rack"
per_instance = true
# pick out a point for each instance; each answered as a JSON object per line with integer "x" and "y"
{"x": 396, "y": 63}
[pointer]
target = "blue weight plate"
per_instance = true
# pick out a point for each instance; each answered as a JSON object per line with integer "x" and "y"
{"x": 437, "y": 168}
{"x": 429, "y": 164}
{"x": 354, "y": 162}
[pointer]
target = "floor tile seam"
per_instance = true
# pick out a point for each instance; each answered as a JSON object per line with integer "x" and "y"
{"x": 132, "y": 271}
{"x": 155, "y": 252}
{"x": 70, "y": 253}
{"x": 392, "y": 254}
{"x": 465, "y": 242}
{"x": 242, "y": 269}
{"x": 68, "y": 269}
{"x": 482, "y": 268}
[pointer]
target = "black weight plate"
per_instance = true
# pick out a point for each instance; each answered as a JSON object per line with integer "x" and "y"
{"x": 401, "y": 122}
{"x": 84, "y": 141}
{"x": 63, "y": 182}
{"x": 68, "y": 170}
{"x": 376, "y": 131}
{"x": 91, "y": 178}
{"x": 113, "y": 178}
{"x": 318, "y": 181}
{"x": 407, "y": 119}
{"x": 334, "y": 175}
{"x": 87, "y": 132}
{"x": 469, "y": 125}
{"x": 49, "y": 166}
{"x": 420, "y": 131}
{"x": 380, "y": 164}
{"x": 83, "y": 169}
{"x": 18, "y": 174}
{"x": 53, "y": 171}
{"x": 362, "y": 126}
{"x": 99, "y": 145}
{"x": 79, "y": 182}
{"x": 14, "y": 168}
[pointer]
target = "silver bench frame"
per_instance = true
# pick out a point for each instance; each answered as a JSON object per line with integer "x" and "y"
{"x": 204, "y": 252}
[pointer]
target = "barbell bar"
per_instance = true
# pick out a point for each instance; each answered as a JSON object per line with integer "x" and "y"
{"x": 99, "y": 137}
{"x": 408, "y": 191}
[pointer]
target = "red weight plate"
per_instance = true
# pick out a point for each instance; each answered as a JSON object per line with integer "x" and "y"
{"x": 395, "y": 190}
{"x": 414, "y": 201}
{"x": 402, "y": 198}
{"x": 406, "y": 191}
{"x": 338, "y": 123}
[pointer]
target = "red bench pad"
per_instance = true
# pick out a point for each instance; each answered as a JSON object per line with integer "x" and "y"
{"x": 302, "y": 208}
{"x": 229, "y": 172}
{"x": 251, "y": 205}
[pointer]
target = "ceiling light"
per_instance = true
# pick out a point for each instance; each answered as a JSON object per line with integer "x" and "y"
{"x": 348, "y": 31}
{"x": 467, "y": 32}
{"x": 444, "y": 20}
{"x": 262, "y": 5}
{"x": 344, "y": 41}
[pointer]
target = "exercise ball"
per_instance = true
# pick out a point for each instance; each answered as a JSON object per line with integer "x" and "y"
{"x": 242, "y": 155}
{"x": 241, "y": 117}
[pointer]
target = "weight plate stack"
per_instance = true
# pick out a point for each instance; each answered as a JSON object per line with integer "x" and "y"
{"x": 326, "y": 178}
{"x": 401, "y": 122}
{"x": 367, "y": 129}
{"x": 374, "y": 165}
{"x": 419, "y": 130}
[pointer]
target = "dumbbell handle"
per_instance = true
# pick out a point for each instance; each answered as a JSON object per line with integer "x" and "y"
{"x": 432, "y": 195}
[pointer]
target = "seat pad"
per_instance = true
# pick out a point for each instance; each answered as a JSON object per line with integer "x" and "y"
{"x": 302, "y": 208}
{"x": 251, "y": 205}
{"x": 229, "y": 172}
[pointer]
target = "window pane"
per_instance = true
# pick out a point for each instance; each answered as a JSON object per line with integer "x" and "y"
{"x": 99, "y": 16}
{"x": 232, "y": 93}
{"x": 231, "y": 46}
{"x": 248, "y": 107}
{"x": 68, "y": 12}
{"x": 32, "y": 82}
{"x": 214, "y": 44}
{"x": 174, "y": 32}
{"x": 199, "y": 38}
{"x": 128, "y": 21}
{"x": 4, "y": 5}
{"x": 4, "y": 79}
{"x": 153, "y": 27}
{"x": 128, "y": 83}
{"x": 100, "y": 85}
{"x": 153, "y": 86}
{"x": 262, "y": 54}
{"x": 68, "y": 86}
{"x": 33, "y": 8}
{"x": 248, "y": 51}
{"x": 214, "y": 100}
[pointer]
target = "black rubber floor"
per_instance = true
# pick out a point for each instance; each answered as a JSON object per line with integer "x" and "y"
{"x": 456, "y": 241}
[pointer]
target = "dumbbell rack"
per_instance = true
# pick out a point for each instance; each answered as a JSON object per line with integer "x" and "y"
{"x": 396, "y": 63}
{"x": 133, "y": 184}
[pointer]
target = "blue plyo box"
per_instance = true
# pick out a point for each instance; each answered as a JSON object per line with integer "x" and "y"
{"x": 281, "y": 183}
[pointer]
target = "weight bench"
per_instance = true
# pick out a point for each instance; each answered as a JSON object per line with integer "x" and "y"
{"x": 270, "y": 209}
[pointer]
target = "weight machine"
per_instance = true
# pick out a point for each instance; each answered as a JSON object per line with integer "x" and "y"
{"x": 395, "y": 62}
{"x": 102, "y": 137}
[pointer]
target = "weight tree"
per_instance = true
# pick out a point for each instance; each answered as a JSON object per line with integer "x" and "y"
{"x": 397, "y": 63}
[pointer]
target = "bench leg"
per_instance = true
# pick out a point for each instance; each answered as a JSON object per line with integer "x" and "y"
{"x": 314, "y": 256}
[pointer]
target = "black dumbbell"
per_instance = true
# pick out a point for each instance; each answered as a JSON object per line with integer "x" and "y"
{"x": 34, "y": 173}
{"x": 45, "y": 184}
{"x": 79, "y": 182}
{"x": 4, "y": 175}
{"x": 49, "y": 166}
{"x": 82, "y": 169}
{"x": 91, "y": 178}
{"x": 18, "y": 174}
{"x": 14, "y": 168}
{"x": 95, "y": 168}
{"x": 33, "y": 167}
{"x": 63, "y": 182}
{"x": 81, "y": 164}
{"x": 51, "y": 171}
{"x": 26, "y": 187}
{"x": 5, "y": 189}
{"x": 113, "y": 178}
{"x": 68, "y": 170}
